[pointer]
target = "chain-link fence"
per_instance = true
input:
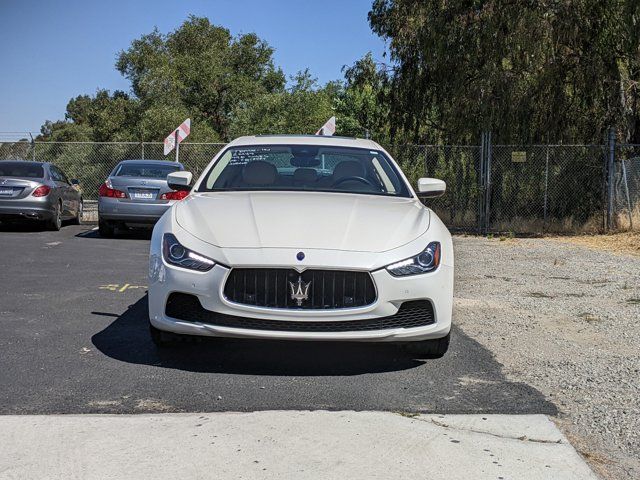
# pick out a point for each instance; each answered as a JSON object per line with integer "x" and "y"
{"x": 500, "y": 188}
{"x": 532, "y": 189}
{"x": 627, "y": 187}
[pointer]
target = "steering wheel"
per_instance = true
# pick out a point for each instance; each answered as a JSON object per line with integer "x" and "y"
{"x": 353, "y": 178}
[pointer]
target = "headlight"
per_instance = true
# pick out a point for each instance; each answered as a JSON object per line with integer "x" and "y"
{"x": 177, "y": 254}
{"x": 426, "y": 261}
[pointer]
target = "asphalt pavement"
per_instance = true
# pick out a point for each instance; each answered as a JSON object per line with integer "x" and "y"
{"x": 74, "y": 339}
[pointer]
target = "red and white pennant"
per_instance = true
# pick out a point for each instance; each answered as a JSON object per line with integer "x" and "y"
{"x": 182, "y": 132}
{"x": 328, "y": 128}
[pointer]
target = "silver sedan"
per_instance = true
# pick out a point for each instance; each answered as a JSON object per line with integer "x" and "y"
{"x": 38, "y": 191}
{"x": 136, "y": 192}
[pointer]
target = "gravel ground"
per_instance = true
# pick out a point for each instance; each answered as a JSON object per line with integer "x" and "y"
{"x": 565, "y": 319}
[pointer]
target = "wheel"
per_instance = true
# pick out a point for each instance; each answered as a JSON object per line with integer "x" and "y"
{"x": 55, "y": 223}
{"x": 77, "y": 220}
{"x": 429, "y": 348}
{"x": 106, "y": 228}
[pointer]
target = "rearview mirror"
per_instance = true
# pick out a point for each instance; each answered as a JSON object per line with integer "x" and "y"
{"x": 431, "y": 187}
{"x": 180, "y": 181}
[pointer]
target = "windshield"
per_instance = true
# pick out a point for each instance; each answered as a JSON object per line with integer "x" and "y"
{"x": 305, "y": 168}
{"x": 146, "y": 170}
{"x": 21, "y": 170}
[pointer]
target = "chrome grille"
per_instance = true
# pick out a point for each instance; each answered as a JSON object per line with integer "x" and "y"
{"x": 271, "y": 288}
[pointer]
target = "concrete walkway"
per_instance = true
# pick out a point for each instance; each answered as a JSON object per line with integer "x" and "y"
{"x": 285, "y": 444}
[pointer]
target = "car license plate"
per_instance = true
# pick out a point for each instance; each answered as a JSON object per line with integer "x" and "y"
{"x": 6, "y": 191}
{"x": 142, "y": 195}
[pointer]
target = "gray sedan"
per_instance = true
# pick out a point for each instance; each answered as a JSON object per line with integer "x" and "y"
{"x": 38, "y": 191}
{"x": 136, "y": 192}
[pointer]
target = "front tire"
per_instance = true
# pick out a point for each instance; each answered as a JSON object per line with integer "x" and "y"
{"x": 429, "y": 348}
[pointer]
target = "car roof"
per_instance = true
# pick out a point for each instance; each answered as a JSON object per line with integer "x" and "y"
{"x": 140, "y": 161}
{"x": 26, "y": 162}
{"x": 320, "y": 140}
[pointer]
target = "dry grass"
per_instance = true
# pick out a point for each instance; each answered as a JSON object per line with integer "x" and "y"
{"x": 626, "y": 221}
{"x": 626, "y": 243}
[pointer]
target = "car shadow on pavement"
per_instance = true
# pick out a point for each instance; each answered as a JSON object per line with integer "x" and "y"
{"x": 127, "y": 339}
{"x": 467, "y": 379}
{"x": 127, "y": 234}
{"x": 27, "y": 226}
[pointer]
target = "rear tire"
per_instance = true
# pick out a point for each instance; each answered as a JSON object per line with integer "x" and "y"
{"x": 429, "y": 348}
{"x": 77, "y": 220}
{"x": 55, "y": 223}
{"x": 106, "y": 228}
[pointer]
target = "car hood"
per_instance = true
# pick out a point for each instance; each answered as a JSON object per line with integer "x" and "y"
{"x": 331, "y": 221}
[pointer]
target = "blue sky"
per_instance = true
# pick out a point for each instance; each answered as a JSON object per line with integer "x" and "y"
{"x": 54, "y": 50}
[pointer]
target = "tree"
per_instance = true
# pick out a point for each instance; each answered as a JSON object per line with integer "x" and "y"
{"x": 301, "y": 109}
{"x": 528, "y": 71}
{"x": 201, "y": 71}
{"x": 362, "y": 101}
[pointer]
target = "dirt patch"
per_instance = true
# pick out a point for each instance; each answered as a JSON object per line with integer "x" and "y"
{"x": 625, "y": 243}
{"x": 151, "y": 405}
{"x": 563, "y": 317}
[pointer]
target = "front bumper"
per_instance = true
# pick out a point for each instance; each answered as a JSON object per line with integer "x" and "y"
{"x": 392, "y": 292}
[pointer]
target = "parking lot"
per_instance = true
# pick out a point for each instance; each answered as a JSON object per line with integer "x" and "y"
{"x": 75, "y": 325}
{"x": 542, "y": 327}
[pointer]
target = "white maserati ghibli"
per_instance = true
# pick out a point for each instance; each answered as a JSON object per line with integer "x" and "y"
{"x": 303, "y": 238}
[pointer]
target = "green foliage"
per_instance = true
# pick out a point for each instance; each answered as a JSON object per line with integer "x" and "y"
{"x": 361, "y": 103}
{"x": 528, "y": 71}
{"x": 198, "y": 71}
{"x": 531, "y": 72}
{"x": 301, "y": 109}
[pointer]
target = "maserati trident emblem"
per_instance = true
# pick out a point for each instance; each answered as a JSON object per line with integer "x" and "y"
{"x": 299, "y": 291}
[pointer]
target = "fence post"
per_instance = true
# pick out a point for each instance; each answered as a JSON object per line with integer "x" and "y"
{"x": 626, "y": 189}
{"x": 487, "y": 201}
{"x": 546, "y": 189}
{"x": 33, "y": 148}
{"x": 611, "y": 162}
{"x": 481, "y": 185}
{"x": 426, "y": 162}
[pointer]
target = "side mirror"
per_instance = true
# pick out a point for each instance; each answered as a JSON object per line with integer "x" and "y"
{"x": 180, "y": 181}
{"x": 431, "y": 187}
{"x": 75, "y": 182}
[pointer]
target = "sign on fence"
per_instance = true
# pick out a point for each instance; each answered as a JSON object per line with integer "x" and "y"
{"x": 518, "y": 157}
{"x": 176, "y": 137}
